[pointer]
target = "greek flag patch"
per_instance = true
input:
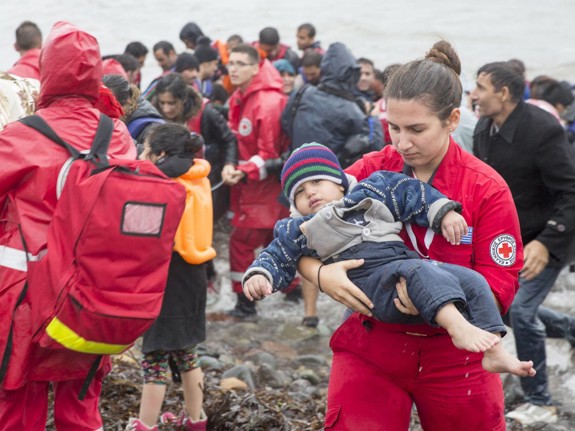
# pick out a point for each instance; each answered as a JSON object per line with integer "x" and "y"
{"x": 467, "y": 239}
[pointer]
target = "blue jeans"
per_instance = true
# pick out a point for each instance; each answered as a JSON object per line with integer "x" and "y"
{"x": 557, "y": 325}
{"x": 430, "y": 286}
{"x": 530, "y": 332}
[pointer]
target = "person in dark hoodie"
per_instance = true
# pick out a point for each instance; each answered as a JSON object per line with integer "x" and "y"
{"x": 329, "y": 113}
{"x": 139, "y": 114}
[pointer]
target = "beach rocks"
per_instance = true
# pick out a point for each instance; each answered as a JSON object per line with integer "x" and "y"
{"x": 273, "y": 375}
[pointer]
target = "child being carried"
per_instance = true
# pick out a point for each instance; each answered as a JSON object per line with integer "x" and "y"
{"x": 336, "y": 222}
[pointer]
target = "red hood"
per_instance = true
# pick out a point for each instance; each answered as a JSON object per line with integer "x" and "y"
{"x": 267, "y": 78}
{"x": 111, "y": 66}
{"x": 70, "y": 65}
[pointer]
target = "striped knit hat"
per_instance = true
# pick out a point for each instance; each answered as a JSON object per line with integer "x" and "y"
{"x": 311, "y": 162}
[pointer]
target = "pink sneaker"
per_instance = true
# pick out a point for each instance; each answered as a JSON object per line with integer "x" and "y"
{"x": 186, "y": 422}
{"x": 135, "y": 424}
{"x": 169, "y": 418}
{"x": 200, "y": 425}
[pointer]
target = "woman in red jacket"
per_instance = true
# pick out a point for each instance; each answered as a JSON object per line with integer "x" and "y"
{"x": 71, "y": 75}
{"x": 379, "y": 370}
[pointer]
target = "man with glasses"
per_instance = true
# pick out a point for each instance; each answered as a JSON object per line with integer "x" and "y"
{"x": 255, "y": 110}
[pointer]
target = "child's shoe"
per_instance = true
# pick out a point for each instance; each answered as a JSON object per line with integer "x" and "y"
{"x": 186, "y": 422}
{"x": 199, "y": 425}
{"x": 168, "y": 418}
{"x": 135, "y": 424}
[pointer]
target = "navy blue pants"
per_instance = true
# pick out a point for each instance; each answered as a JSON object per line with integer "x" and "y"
{"x": 430, "y": 285}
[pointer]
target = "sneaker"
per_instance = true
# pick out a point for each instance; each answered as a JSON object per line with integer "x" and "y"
{"x": 168, "y": 418}
{"x": 182, "y": 420}
{"x": 135, "y": 424}
{"x": 310, "y": 321}
{"x": 199, "y": 425}
{"x": 528, "y": 414}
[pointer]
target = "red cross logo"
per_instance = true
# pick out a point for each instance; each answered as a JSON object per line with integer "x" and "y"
{"x": 505, "y": 250}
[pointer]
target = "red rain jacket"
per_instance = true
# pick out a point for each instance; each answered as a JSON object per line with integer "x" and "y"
{"x": 27, "y": 66}
{"x": 254, "y": 117}
{"x": 71, "y": 72}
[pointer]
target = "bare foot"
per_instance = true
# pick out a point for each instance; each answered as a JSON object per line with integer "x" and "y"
{"x": 499, "y": 360}
{"x": 465, "y": 336}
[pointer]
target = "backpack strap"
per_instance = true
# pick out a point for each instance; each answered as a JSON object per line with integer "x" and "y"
{"x": 90, "y": 377}
{"x": 297, "y": 100}
{"x": 99, "y": 149}
{"x": 9, "y": 342}
{"x": 39, "y": 124}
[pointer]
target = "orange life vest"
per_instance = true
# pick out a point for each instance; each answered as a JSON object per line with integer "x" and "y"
{"x": 222, "y": 49}
{"x": 193, "y": 240}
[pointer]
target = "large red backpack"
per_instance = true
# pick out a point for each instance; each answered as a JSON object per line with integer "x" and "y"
{"x": 101, "y": 283}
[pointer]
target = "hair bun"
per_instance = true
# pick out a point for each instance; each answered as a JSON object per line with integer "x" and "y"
{"x": 442, "y": 52}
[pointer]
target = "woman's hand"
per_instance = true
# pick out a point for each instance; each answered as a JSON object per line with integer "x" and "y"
{"x": 334, "y": 282}
{"x": 403, "y": 303}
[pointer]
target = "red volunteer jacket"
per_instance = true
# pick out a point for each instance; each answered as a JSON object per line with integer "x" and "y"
{"x": 27, "y": 66}
{"x": 254, "y": 117}
{"x": 494, "y": 249}
{"x": 70, "y": 82}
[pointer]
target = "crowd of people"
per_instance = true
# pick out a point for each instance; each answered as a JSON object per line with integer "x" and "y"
{"x": 434, "y": 212}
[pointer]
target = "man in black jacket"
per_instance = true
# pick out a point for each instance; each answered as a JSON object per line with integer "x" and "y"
{"x": 528, "y": 147}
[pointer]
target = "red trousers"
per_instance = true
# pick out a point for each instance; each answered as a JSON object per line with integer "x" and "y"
{"x": 243, "y": 244}
{"x": 379, "y": 371}
{"x": 27, "y": 408}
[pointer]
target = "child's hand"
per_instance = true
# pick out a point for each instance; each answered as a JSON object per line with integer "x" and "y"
{"x": 453, "y": 227}
{"x": 257, "y": 287}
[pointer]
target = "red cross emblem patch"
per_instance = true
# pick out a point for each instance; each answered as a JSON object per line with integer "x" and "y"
{"x": 503, "y": 250}
{"x": 245, "y": 127}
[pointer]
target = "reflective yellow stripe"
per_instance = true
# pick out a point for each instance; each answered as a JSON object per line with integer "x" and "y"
{"x": 65, "y": 336}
